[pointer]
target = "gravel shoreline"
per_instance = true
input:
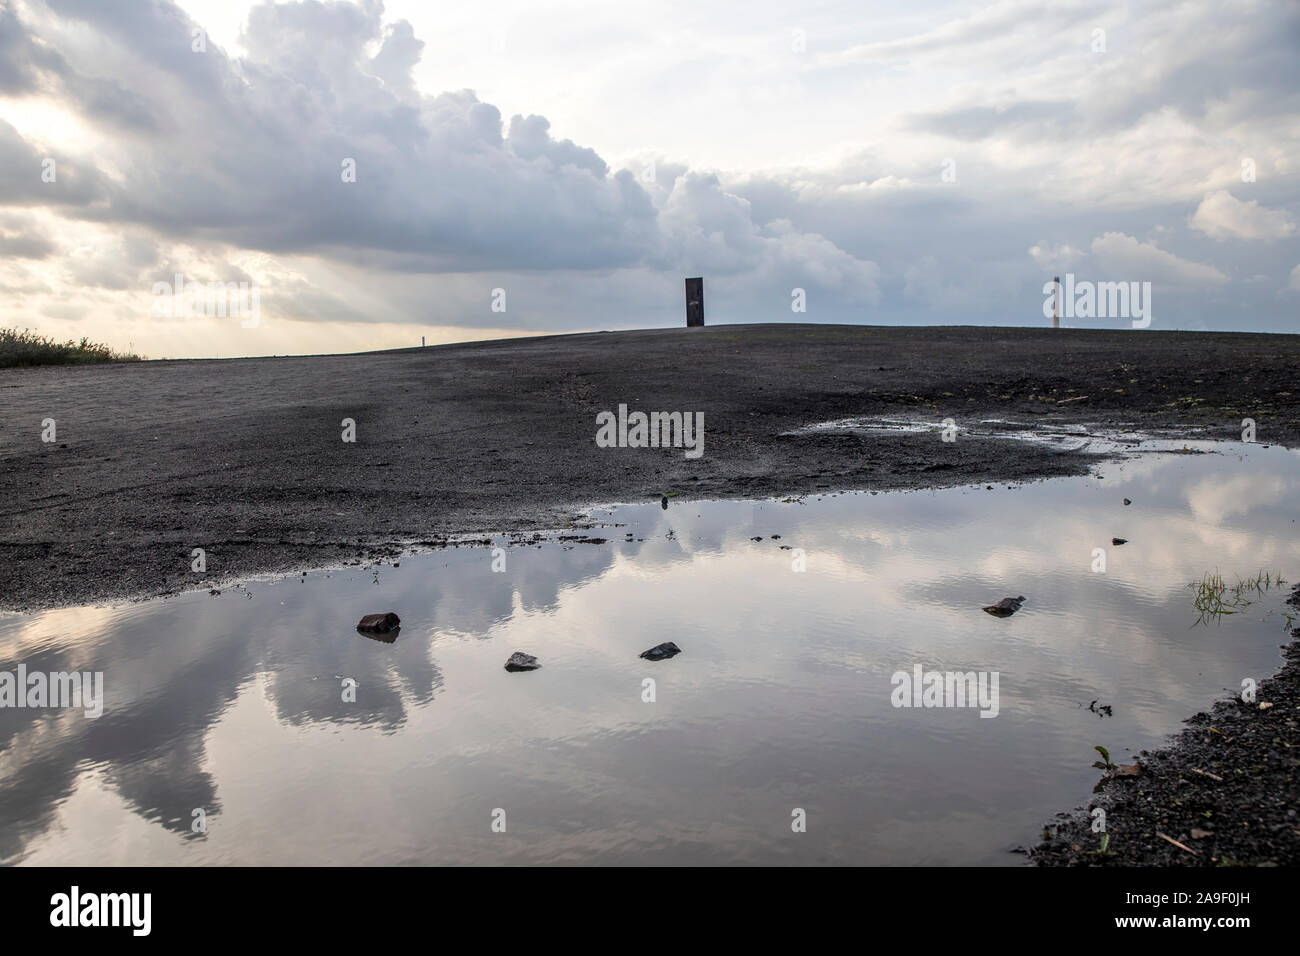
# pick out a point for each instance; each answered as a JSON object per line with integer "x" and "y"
{"x": 1225, "y": 789}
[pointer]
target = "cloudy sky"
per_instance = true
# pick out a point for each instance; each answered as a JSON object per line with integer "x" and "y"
{"x": 380, "y": 172}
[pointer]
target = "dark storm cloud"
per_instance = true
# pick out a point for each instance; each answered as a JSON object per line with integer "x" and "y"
{"x": 28, "y": 65}
{"x": 311, "y": 145}
{"x": 983, "y": 122}
{"x": 1173, "y": 61}
{"x": 26, "y": 247}
{"x": 257, "y": 152}
{"x": 22, "y": 183}
{"x": 1055, "y": 146}
{"x": 22, "y": 59}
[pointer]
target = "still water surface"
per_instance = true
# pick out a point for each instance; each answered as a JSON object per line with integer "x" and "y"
{"x": 781, "y": 699}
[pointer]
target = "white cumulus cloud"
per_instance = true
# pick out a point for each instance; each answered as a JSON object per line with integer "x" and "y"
{"x": 1124, "y": 257}
{"x": 1222, "y": 216}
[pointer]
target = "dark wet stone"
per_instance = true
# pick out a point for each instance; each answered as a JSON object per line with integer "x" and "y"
{"x": 379, "y": 623}
{"x": 1119, "y": 540}
{"x": 1127, "y": 502}
{"x": 520, "y": 661}
{"x": 1006, "y": 607}
{"x": 661, "y": 652}
{"x": 383, "y": 637}
{"x": 663, "y": 502}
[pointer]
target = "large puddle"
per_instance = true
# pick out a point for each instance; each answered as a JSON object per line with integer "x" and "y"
{"x": 779, "y": 710}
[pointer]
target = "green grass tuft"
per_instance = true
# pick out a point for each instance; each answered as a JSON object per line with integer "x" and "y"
{"x": 1215, "y": 597}
{"x": 23, "y": 347}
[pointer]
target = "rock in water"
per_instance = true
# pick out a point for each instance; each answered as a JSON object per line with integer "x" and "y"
{"x": 1118, "y": 541}
{"x": 661, "y": 652}
{"x": 520, "y": 661}
{"x": 1127, "y": 502}
{"x": 379, "y": 623}
{"x": 1006, "y": 607}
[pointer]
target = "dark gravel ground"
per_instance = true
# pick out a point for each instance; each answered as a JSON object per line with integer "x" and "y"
{"x": 1225, "y": 789}
{"x": 244, "y": 457}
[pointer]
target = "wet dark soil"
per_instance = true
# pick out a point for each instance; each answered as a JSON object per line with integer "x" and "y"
{"x": 244, "y": 458}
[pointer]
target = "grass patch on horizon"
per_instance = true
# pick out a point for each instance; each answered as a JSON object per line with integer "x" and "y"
{"x": 22, "y": 347}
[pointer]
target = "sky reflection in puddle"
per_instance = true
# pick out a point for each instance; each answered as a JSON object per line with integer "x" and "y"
{"x": 780, "y": 699}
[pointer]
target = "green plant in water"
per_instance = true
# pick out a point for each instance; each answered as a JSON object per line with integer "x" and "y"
{"x": 1214, "y": 597}
{"x": 1105, "y": 756}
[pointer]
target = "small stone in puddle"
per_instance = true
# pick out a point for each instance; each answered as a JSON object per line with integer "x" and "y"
{"x": 1119, "y": 541}
{"x": 1127, "y": 502}
{"x": 520, "y": 661}
{"x": 661, "y": 652}
{"x": 379, "y": 623}
{"x": 1006, "y": 607}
